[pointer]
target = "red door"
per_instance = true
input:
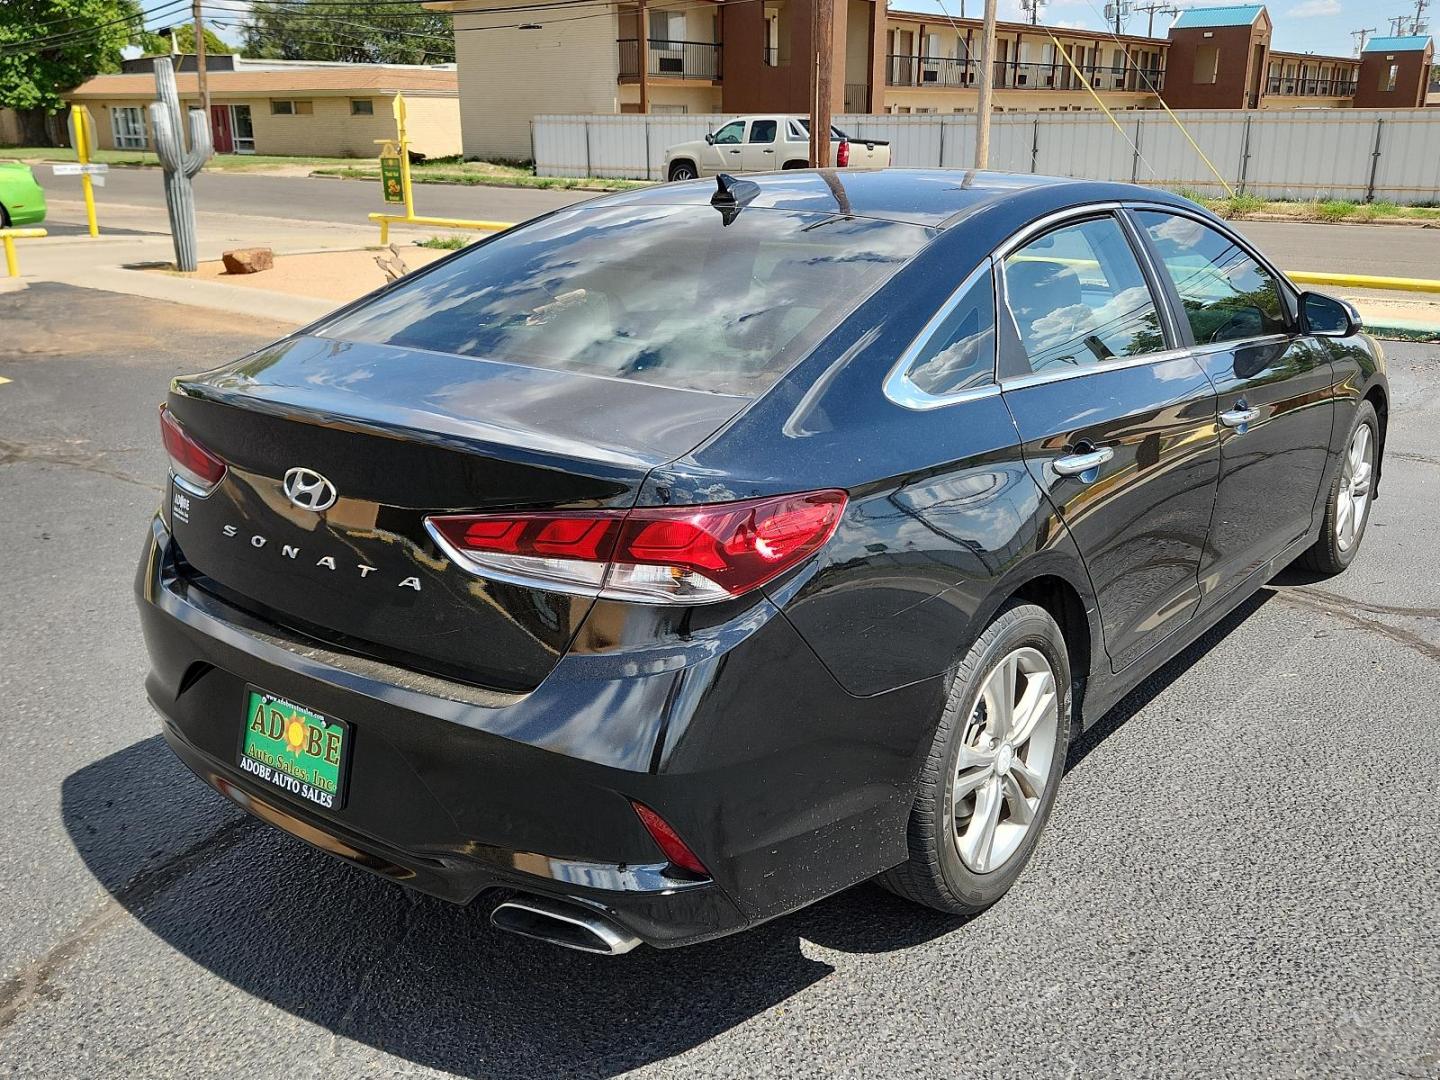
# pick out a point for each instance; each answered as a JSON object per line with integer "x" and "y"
{"x": 220, "y": 129}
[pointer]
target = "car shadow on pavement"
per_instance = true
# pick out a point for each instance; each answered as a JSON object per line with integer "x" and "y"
{"x": 432, "y": 982}
{"x": 417, "y": 977}
{"x": 1162, "y": 677}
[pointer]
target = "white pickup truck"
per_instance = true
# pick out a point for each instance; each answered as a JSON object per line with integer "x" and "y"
{"x": 766, "y": 144}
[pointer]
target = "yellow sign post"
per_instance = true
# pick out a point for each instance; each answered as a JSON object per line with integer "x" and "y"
{"x": 82, "y": 135}
{"x": 388, "y": 177}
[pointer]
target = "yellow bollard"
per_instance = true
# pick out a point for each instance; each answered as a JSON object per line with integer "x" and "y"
{"x": 84, "y": 140}
{"x": 8, "y": 238}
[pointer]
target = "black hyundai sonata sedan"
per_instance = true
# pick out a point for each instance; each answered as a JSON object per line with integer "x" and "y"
{"x": 672, "y": 561}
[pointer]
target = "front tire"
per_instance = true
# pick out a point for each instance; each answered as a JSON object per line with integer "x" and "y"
{"x": 1347, "y": 505}
{"x": 683, "y": 170}
{"x": 987, "y": 788}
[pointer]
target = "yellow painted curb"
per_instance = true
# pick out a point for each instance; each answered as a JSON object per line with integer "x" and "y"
{"x": 1363, "y": 281}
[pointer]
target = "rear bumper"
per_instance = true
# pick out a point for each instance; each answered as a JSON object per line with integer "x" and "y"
{"x": 787, "y": 788}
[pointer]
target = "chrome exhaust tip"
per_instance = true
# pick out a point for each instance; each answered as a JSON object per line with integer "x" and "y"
{"x": 567, "y": 925}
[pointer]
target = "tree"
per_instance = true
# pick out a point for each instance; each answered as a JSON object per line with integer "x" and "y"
{"x": 50, "y": 46}
{"x": 159, "y": 44}
{"x": 358, "y": 32}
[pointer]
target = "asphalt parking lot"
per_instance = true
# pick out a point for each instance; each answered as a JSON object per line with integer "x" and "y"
{"x": 1240, "y": 878}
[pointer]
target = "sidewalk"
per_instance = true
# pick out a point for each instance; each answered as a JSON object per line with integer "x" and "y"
{"x": 138, "y": 235}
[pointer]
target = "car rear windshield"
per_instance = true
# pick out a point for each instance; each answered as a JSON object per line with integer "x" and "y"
{"x": 681, "y": 296}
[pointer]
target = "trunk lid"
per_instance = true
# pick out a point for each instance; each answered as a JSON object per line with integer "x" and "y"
{"x": 402, "y": 434}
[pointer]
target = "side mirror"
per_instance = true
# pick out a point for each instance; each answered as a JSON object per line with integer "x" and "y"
{"x": 1327, "y": 316}
{"x": 710, "y": 138}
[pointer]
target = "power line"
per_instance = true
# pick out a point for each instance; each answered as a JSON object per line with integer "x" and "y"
{"x": 49, "y": 41}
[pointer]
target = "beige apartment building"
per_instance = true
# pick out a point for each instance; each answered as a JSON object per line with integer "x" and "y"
{"x": 325, "y": 110}
{"x": 727, "y": 56}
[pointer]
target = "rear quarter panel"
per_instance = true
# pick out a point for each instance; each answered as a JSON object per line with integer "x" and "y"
{"x": 944, "y": 519}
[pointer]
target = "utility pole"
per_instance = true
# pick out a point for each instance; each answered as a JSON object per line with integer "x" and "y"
{"x": 642, "y": 41}
{"x": 1360, "y": 36}
{"x": 823, "y": 37}
{"x": 1151, "y": 8}
{"x": 987, "y": 79}
{"x": 1419, "y": 26}
{"x": 200, "y": 58}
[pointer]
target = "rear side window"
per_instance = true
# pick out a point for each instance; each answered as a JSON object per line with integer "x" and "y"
{"x": 679, "y": 296}
{"x": 1227, "y": 295}
{"x": 960, "y": 352}
{"x": 1078, "y": 297}
{"x": 762, "y": 131}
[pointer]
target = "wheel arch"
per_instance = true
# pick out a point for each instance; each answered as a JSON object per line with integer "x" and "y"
{"x": 795, "y": 163}
{"x": 683, "y": 160}
{"x": 1061, "y": 587}
{"x": 1376, "y": 395}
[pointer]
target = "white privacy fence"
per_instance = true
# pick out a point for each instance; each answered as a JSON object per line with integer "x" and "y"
{"x": 1391, "y": 154}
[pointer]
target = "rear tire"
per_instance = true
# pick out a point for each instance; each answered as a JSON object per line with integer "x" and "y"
{"x": 683, "y": 170}
{"x": 989, "y": 759}
{"x": 1347, "y": 504}
{"x": 4, "y": 217}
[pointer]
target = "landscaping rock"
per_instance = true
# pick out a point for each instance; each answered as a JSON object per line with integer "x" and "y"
{"x": 248, "y": 260}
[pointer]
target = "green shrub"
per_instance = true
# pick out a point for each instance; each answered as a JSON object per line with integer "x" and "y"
{"x": 444, "y": 243}
{"x": 1335, "y": 210}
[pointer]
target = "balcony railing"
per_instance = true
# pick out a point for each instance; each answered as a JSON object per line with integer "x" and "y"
{"x": 1289, "y": 86}
{"x": 943, "y": 72}
{"x": 670, "y": 59}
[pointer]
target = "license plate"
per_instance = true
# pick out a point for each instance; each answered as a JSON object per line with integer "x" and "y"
{"x": 294, "y": 748}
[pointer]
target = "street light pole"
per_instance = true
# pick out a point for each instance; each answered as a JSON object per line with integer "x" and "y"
{"x": 987, "y": 78}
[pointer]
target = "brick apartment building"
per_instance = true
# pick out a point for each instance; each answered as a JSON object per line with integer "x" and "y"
{"x": 736, "y": 57}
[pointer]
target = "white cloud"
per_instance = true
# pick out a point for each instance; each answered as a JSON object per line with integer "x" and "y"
{"x": 1313, "y": 8}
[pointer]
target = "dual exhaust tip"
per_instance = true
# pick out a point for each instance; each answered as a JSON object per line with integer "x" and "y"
{"x": 559, "y": 923}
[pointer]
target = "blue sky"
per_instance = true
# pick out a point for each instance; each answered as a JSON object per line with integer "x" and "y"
{"x": 1320, "y": 26}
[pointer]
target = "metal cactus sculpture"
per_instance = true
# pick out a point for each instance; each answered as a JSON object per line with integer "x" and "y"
{"x": 180, "y": 165}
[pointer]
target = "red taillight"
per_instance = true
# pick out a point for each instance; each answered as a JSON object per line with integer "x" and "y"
{"x": 658, "y": 555}
{"x": 675, "y": 849}
{"x": 194, "y": 466}
{"x": 842, "y": 155}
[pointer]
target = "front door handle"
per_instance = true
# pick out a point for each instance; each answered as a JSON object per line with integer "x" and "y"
{"x": 1240, "y": 416}
{"x": 1080, "y": 464}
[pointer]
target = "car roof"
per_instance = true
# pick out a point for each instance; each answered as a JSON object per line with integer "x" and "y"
{"x": 937, "y": 198}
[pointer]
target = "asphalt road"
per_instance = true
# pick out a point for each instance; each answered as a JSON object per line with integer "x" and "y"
{"x": 1390, "y": 250}
{"x": 314, "y": 198}
{"x": 1240, "y": 878}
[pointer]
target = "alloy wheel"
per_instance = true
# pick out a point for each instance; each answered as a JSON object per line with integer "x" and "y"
{"x": 1004, "y": 760}
{"x": 1353, "y": 499}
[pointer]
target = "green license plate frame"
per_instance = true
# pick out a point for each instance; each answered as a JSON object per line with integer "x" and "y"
{"x": 295, "y": 749}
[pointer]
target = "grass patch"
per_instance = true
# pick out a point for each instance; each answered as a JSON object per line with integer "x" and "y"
{"x": 482, "y": 173}
{"x": 444, "y": 243}
{"x": 1334, "y": 210}
{"x": 1238, "y": 206}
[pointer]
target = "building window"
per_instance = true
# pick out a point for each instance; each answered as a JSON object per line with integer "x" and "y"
{"x": 291, "y": 108}
{"x": 127, "y": 123}
{"x": 677, "y": 109}
{"x": 1388, "y": 77}
{"x": 666, "y": 26}
{"x": 362, "y": 107}
{"x": 1207, "y": 63}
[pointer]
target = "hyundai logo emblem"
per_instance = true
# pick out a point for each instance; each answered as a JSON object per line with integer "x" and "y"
{"x": 308, "y": 490}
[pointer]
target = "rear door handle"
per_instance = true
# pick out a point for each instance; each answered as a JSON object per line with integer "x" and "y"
{"x": 1240, "y": 416}
{"x": 1078, "y": 464}
{"x": 767, "y": 151}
